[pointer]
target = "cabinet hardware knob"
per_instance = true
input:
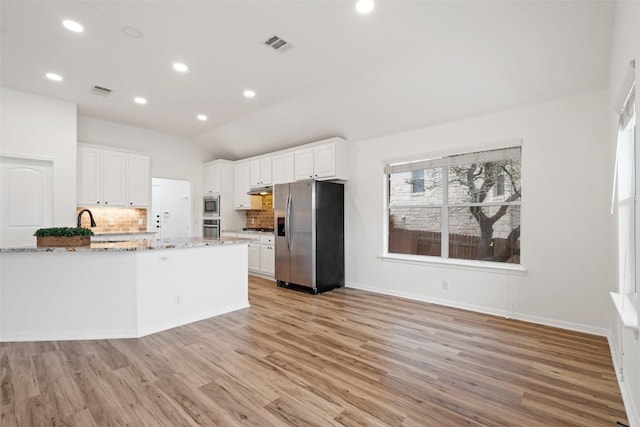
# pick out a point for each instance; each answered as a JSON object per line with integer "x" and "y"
{"x": 106, "y": 203}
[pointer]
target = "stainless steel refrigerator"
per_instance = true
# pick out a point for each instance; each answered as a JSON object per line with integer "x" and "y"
{"x": 309, "y": 221}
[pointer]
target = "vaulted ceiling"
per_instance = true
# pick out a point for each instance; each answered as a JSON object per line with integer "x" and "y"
{"x": 407, "y": 64}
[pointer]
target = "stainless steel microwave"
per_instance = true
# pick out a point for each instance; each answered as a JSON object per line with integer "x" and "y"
{"x": 211, "y": 206}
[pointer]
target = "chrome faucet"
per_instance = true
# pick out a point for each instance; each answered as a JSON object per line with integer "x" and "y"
{"x": 93, "y": 223}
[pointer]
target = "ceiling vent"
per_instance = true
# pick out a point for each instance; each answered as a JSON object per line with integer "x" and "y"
{"x": 99, "y": 90}
{"x": 278, "y": 44}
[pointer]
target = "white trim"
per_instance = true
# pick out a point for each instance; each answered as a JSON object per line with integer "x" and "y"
{"x": 431, "y": 300}
{"x": 118, "y": 333}
{"x": 27, "y": 157}
{"x": 628, "y": 317}
{"x": 262, "y": 275}
{"x": 455, "y": 205}
{"x": 496, "y": 145}
{"x": 562, "y": 324}
{"x": 463, "y": 264}
{"x": 571, "y": 326}
{"x": 159, "y": 327}
{"x": 633, "y": 415}
{"x": 18, "y": 336}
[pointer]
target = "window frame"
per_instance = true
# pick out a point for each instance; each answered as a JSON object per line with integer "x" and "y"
{"x": 442, "y": 261}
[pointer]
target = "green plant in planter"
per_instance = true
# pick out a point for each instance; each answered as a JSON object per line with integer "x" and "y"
{"x": 63, "y": 231}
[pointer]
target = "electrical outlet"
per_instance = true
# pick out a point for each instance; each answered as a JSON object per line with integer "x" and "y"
{"x": 445, "y": 285}
{"x": 178, "y": 300}
{"x": 112, "y": 221}
{"x": 141, "y": 221}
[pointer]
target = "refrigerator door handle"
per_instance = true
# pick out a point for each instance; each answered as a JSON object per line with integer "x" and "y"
{"x": 287, "y": 219}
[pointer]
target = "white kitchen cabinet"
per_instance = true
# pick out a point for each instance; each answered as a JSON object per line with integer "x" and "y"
{"x": 260, "y": 172}
{"x": 322, "y": 162}
{"x": 139, "y": 180}
{"x": 267, "y": 255}
{"x": 211, "y": 178}
{"x": 254, "y": 257}
{"x": 304, "y": 164}
{"x": 112, "y": 178}
{"x": 114, "y": 175}
{"x": 89, "y": 191}
{"x": 242, "y": 201}
{"x": 283, "y": 169}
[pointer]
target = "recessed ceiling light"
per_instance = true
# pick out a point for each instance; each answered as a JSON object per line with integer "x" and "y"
{"x": 139, "y": 100}
{"x": 53, "y": 76}
{"x": 72, "y": 26}
{"x": 132, "y": 32}
{"x": 179, "y": 67}
{"x": 202, "y": 117}
{"x": 364, "y": 6}
{"x": 249, "y": 93}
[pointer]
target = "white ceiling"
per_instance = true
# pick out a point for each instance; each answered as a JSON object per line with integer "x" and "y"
{"x": 406, "y": 65}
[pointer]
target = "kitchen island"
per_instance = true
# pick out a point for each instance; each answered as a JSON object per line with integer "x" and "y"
{"x": 118, "y": 289}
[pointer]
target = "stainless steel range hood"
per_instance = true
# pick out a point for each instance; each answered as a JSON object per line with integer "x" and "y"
{"x": 260, "y": 191}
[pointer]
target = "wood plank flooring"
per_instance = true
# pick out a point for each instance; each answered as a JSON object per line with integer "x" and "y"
{"x": 346, "y": 357}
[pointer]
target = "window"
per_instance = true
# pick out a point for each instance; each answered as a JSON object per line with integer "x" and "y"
{"x": 417, "y": 181}
{"x": 469, "y": 207}
{"x": 626, "y": 195}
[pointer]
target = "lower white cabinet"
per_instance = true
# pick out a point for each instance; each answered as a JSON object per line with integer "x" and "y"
{"x": 267, "y": 255}
{"x": 254, "y": 257}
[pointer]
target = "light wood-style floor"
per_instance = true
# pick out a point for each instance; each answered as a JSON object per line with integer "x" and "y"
{"x": 345, "y": 357}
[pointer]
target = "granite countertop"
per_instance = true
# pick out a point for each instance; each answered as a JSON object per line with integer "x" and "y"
{"x": 134, "y": 245}
{"x": 123, "y": 233}
{"x": 248, "y": 232}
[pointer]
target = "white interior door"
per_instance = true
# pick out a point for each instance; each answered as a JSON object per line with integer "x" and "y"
{"x": 171, "y": 205}
{"x": 26, "y": 199}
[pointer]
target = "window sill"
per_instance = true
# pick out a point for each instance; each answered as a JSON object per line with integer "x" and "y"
{"x": 457, "y": 263}
{"x": 629, "y": 315}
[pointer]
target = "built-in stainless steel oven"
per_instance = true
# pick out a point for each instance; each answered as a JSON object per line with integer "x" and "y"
{"x": 211, "y": 228}
{"x": 211, "y": 206}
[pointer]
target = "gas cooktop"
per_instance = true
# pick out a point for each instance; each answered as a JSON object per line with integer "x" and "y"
{"x": 263, "y": 229}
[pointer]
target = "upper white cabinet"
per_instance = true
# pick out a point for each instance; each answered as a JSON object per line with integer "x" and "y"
{"x": 304, "y": 164}
{"x": 241, "y": 199}
{"x": 211, "y": 178}
{"x": 112, "y": 178}
{"x": 114, "y": 175}
{"x": 322, "y": 162}
{"x": 89, "y": 186}
{"x": 283, "y": 170}
{"x": 260, "y": 172}
{"x": 139, "y": 173}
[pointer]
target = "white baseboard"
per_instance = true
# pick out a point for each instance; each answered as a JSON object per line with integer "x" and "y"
{"x": 633, "y": 415}
{"x": 116, "y": 334}
{"x": 174, "y": 323}
{"x": 67, "y": 335}
{"x": 486, "y": 310}
{"x": 432, "y": 300}
{"x": 262, "y": 275}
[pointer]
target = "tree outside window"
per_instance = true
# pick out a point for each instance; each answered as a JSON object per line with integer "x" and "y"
{"x": 469, "y": 207}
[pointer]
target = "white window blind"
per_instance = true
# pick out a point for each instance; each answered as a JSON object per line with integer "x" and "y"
{"x": 503, "y": 154}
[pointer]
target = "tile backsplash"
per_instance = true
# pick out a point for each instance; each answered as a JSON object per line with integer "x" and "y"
{"x": 261, "y": 218}
{"x": 115, "y": 220}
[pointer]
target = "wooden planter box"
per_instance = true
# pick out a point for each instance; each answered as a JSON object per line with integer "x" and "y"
{"x": 63, "y": 241}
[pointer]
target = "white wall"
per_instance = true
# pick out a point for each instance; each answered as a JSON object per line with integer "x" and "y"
{"x": 37, "y": 127}
{"x": 171, "y": 156}
{"x": 624, "y": 342}
{"x": 566, "y": 229}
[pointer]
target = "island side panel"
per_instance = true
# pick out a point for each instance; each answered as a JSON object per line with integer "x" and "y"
{"x": 67, "y": 295}
{"x": 180, "y": 286}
